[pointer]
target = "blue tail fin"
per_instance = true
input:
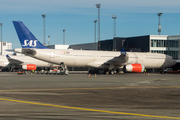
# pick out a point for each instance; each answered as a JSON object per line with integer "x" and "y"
{"x": 27, "y": 39}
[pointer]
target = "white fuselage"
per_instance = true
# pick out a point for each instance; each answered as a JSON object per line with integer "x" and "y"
{"x": 85, "y": 58}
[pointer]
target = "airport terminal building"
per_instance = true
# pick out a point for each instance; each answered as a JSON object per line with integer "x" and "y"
{"x": 5, "y": 46}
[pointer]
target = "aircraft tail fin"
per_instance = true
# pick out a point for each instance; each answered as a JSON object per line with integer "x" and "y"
{"x": 27, "y": 39}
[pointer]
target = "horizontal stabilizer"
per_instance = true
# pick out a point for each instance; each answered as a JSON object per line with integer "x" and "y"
{"x": 13, "y": 61}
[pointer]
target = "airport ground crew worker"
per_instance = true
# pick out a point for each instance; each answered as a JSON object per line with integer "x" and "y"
{"x": 32, "y": 72}
{"x": 145, "y": 71}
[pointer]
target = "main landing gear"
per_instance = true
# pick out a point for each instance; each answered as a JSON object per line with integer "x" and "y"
{"x": 64, "y": 68}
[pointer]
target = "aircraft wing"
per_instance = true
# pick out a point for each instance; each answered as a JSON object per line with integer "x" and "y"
{"x": 13, "y": 61}
{"x": 120, "y": 60}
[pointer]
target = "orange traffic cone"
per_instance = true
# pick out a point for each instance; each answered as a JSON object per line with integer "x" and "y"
{"x": 89, "y": 75}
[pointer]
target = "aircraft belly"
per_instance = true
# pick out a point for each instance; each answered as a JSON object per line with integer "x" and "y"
{"x": 72, "y": 61}
{"x": 82, "y": 62}
{"x": 42, "y": 64}
{"x": 155, "y": 63}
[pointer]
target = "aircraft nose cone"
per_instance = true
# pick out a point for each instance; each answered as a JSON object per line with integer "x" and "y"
{"x": 170, "y": 61}
{"x": 174, "y": 62}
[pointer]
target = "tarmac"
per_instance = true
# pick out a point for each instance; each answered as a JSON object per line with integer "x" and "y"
{"x": 80, "y": 97}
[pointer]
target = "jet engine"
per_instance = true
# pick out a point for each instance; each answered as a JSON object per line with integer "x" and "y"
{"x": 136, "y": 67}
{"x": 29, "y": 67}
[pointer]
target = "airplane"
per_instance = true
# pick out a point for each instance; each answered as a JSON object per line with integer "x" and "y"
{"x": 111, "y": 60}
{"x": 24, "y": 62}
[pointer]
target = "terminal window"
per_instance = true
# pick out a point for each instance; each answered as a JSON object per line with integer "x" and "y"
{"x": 164, "y": 43}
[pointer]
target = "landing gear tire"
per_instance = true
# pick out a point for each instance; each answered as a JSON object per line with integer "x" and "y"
{"x": 112, "y": 72}
{"x": 162, "y": 72}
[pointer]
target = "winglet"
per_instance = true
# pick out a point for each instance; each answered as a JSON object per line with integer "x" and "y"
{"x": 7, "y": 56}
{"x": 123, "y": 51}
{"x": 26, "y": 38}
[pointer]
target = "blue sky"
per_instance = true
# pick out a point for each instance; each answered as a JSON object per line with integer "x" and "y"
{"x": 134, "y": 18}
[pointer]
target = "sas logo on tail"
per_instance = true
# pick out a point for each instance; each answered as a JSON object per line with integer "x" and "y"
{"x": 31, "y": 43}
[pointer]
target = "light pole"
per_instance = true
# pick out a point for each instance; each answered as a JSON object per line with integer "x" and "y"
{"x": 44, "y": 16}
{"x": 95, "y": 30}
{"x": 159, "y": 24}
{"x": 49, "y": 40}
{"x": 114, "y": 38}
{"x": 114, "y": 17}
{"x": 1, "y": 38}
{"x": 98, "y": 6}
{"x": 64, "y": 37}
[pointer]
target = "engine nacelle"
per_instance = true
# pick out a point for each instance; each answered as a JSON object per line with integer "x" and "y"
{"x": 136, "y": 67}
{"x": 29, "y": 67}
